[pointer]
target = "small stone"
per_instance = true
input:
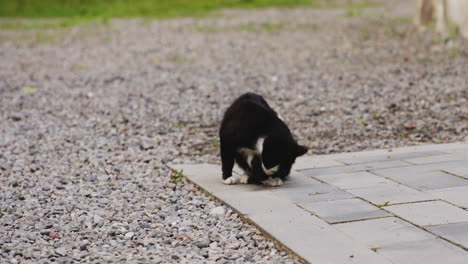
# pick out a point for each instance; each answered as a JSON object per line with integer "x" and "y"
{"x": 92, "y": 178}
{"x": 97, "y": 219}
{"x": 28, "y": 253}
{"x": 170, "y": 185}
{"x": 129, "y": 235}
{"x": 54, "y": 235}
{"x": 204, "y": 243}
{"x": 218, "y": 211}
{"x": 214, "y": 245}
{"x": 234, "y": 245}
{"x": 84, "y": 245}
{"x": 61, "y": 251}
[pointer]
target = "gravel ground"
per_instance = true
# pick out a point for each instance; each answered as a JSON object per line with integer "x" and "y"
{"x": 89, "y": 117}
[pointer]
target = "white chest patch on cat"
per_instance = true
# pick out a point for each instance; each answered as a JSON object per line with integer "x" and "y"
{"x": 250, "y": 154}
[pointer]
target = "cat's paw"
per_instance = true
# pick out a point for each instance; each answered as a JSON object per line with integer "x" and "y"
{"x": 272, "y": 170}
{"x": 244, "y": 179}
{"x": 272, "y": 182}
{"x": 234, "y": 179}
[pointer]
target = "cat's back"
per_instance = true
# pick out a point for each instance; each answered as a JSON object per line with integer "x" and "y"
{"x": 247, "y": 113}
{"x": 249, "y": 106}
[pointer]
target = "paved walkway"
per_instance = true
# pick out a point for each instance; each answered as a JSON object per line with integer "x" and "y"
{"x": 408, "y": 205}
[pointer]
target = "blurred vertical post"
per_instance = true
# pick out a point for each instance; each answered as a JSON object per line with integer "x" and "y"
{"x": 448, "y": 15}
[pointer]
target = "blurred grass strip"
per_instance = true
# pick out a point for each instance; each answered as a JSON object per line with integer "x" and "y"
{"x": 129, "y": 8}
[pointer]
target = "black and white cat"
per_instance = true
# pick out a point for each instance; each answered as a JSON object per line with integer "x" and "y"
{"x": 254, "y": 136}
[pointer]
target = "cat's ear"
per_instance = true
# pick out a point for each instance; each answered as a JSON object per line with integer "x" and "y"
{"x": 301, "y": 150}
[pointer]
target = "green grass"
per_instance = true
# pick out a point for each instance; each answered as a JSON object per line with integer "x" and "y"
{"x": 54, "y": 24}
{"x": 177, "y": 176}
{"x": 66, "y": 13}
{"x": 129, "y": 8}
{"x": 255, "y": 27}
{"x": 269, "y": 27}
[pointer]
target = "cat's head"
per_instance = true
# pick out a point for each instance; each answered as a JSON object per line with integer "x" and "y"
{"x": 285, "y": 156}
{"x": 299, "y": 150}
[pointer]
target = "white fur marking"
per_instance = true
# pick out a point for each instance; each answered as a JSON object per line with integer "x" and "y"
{"x": 259, "y": 145}
{"x": 280, "y": 117}
{"x": 270, "y": 171}
{"x": 234, "y": 179}
{"x": 272, "y": 182}
{"x": 244, "y": 179}
{"x": 249, "y": 155}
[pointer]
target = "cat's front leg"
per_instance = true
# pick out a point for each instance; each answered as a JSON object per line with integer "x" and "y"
{"x": 227, "y": 158}
{"x": 234, "y": 179}
{"x": 276, "y": 175}
{"x": 273, "y": 182}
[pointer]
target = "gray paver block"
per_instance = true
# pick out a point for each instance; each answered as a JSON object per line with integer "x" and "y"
{"x": 312, "y": 193}
{"x": 429, "y": 213}
{"x": 433, "y": 251}
{"x": 361, "y": 179}
{"x": 315, "y": 240}
{"x": 457, "y": 148}
{"x": 392, "y": 193}
{"x": 297, "y": 179}
{"x": 461, "y": 171}
{"x": 389, "y": 172}
{"x": 354, "y": 168}
{"x": 460, "y": 150}
{"x": 429, "y": 180}
{"x": 311, "y": 162}
{"x": 390, "y": 156}
{"x": 436, "y": 159}
{"x": 377, "y": 233}
{"x": 345, "y": 210}
{"x": 457, "y": 233}
{"x": 457, "y": 195}
{"x": 401, "y": 242}
{"x": 289, "y": 224}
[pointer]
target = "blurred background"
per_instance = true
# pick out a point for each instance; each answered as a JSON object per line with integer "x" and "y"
{"x": 98, "y": 96}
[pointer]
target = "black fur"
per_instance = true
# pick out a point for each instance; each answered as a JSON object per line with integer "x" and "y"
{"x": 245, "y": 121}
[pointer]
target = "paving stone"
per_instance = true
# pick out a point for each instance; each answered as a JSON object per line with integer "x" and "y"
{"x": 312, "y": 193}
{"x": 298, "y": 230}
{"x": 311, "y": 162}
{"x": 354, "y": 168}
{"x": 459, "y": 150}
{"x": 433, "y": 251}
{"x": 313, "y": 239}
{"x": 457, "y": 195}
{"x": 296, "y": 179}
{"x": 344, "y": 210}
{"x": 457, "y": 233}
{"x": 390, "y": 172}
{"x": 390, "y": 156}
{"x": 401, "y": 242}
{"x": 429, "y": 213}
{"x": 436, "y": 159}
{"x": 459, "y": 171}
{"x": 429, "y": 180}
{"x": 391, "y": 193}
{"x": 455, "y": 148}
{"x": 361, "y": 179}
{"x": 382, "y": 232}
